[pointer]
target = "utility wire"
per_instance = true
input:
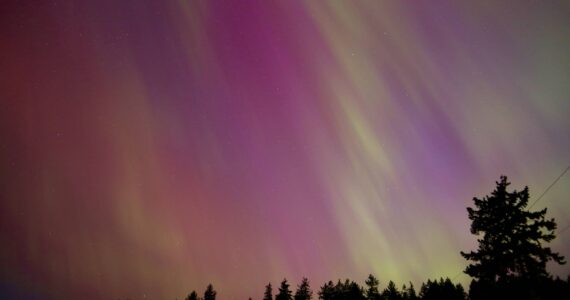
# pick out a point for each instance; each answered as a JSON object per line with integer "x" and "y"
{"x": 549, "y": 187}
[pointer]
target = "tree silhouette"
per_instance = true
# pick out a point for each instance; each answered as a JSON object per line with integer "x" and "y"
{"x": 372, "y": 292}
{"x": 284, "y": 291}
{"x": 444, "y": 290}
{"x": 210, "y": 293}
{"x": 391, "y": 292}
{"x": 511, "y": 245}
{"x": 192, "y": 296}
{"x": 268, "y": 295}
{"x": 409, "y": 293}
{"x": 353, "y": 291}
{"x": 327, "y": 291}
{"x": 304, "y": 291}
{"x": 347, "y": 290}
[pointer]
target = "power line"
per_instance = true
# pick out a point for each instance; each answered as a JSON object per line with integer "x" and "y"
{"x": 550, "y": 186}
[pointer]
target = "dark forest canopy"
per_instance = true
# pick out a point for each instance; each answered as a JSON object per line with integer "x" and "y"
{"x": 437, "y": 289}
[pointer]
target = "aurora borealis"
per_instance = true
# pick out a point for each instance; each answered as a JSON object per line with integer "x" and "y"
{"x": 148, "y": 148}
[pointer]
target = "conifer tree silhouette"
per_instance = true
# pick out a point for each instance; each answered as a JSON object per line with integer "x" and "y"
{"x": 372, "y": 292}
{"x": 210, "y": 293}
{"x": 409, "y": 293}
{"x": 268, "y": 295}
{"x": 443, "y": 290}
{"x": 284, "y": 291}
{"x": 327, "y": 291}
{"x": 353, "y": 291}
{"x": 192, "y": 296}
{"x": 304, "y": 291}
{"x": 347, "y": 290}
{"x": 513, "y": 237}
{"x": 391, "y": 292}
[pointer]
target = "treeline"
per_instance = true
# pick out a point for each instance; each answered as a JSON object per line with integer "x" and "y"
{"x": 442, "y": 289}
{"x": 509, "y": 263}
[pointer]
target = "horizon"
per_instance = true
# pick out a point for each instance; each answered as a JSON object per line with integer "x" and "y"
{"x": 155, "y": 147}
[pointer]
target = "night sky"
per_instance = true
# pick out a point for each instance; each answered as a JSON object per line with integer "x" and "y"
{"x": 148, "y": 148}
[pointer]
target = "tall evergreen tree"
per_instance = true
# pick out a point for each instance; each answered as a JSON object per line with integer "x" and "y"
{"x": 304, "y": 291}
{"x": 355, "y": 292}
{"x": 513, "y": 237}
{"x": 327, "y": 291}
{"x": 268, "y": 295}
{"x": 391, "y": 292}
{"x": 372, "y": 292}
{"x": 210, "y": 293}
{"x": 192, "y": 296}
{"x": 409, "y": 293}
{"x": 284, "y": 291}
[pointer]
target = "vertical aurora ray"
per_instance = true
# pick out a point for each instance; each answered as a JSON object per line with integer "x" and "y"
{"x": 149, "y": 148}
